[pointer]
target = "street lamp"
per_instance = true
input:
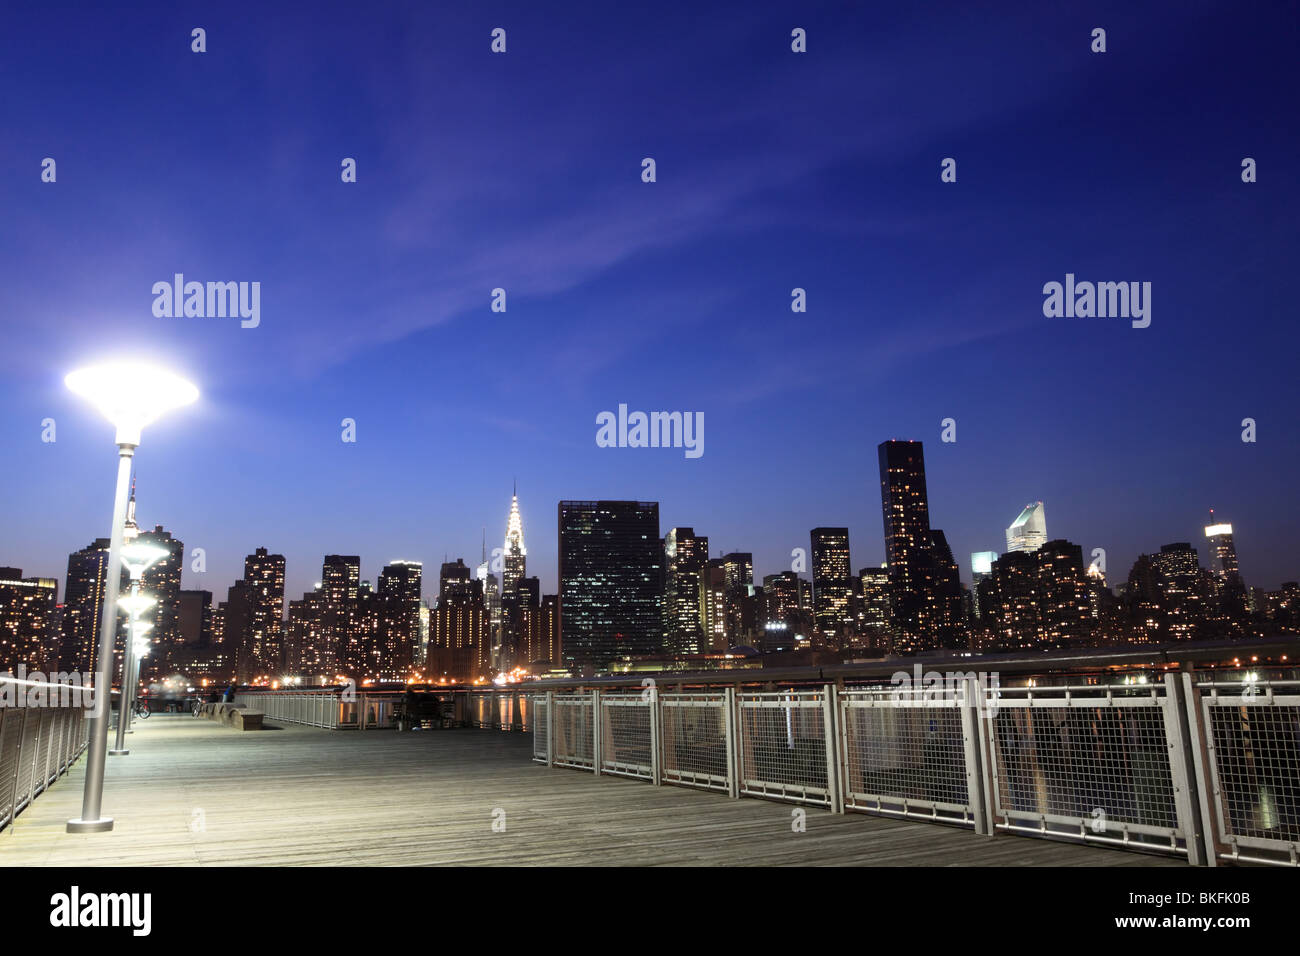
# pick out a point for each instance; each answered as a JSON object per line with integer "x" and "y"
{"x": 137, "y": 556}
{"x": 130, "y": 395}
{"x": 139, "y": 649}
{"x": 134, "y": 604}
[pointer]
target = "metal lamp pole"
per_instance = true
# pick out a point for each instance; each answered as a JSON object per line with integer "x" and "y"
{"x": 91, "y": 820}
{"x": 134, "y": 605}
{"x": 130, "y": 395}
{"x": 138, "y": 650}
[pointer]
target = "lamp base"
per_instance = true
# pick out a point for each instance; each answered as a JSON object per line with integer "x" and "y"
{"x": 101, "y": 825}
{"x": 118, "y": 753}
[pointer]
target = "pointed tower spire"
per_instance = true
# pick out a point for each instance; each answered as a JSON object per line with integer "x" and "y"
{"x": 131, "y": 530}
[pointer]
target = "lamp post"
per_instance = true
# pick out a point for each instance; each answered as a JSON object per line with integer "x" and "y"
{"x": 137, "y": 557}
{"x": 139, "y": 648}
{"x": 135, "y": 603}
{"x": 130, "y": 395}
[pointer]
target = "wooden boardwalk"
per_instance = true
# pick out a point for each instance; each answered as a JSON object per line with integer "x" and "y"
{"x": 195, "y": 793}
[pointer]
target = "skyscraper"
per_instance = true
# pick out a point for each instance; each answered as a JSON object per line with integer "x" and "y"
{"x": 398, "y": 634}
{"x": 872, "y": 608}
{"x": 685, "y": 555}
{"x": 514, "y": 568}
{"x": 1029, "y": 531}
{"x": 611, "y": 581}
{"x": 264, "y": 574}
{"x": 162, "y": 582}
{"x": 925, "y": 590}
{"x": 1064, "y": 600}
{"x": 341, "y": 625}
{"x": 832, "y": 580}
{"x": 1229, "y": 587}
{"x": 459, "y": 648}
{"x": 26, "y": 621}
{"x": 83, "y": 604}
{"x": 981, "y": 567}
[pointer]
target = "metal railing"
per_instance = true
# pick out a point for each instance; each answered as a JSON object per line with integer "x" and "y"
{"x": 1204, "y": 771}
{"x": 1101, "y": 764}
{"x": 40, "y": 739}
{"x": 1248, "y": 763}
{"x": 909, "y": 753}
{"x": 787, "y": 749}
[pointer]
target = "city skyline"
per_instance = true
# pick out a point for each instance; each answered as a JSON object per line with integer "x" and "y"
{"x": 310, "y": 579}
{"x": 478, "y": 172}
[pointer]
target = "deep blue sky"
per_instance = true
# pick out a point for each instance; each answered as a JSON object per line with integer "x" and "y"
{"x": 775, "y": 170}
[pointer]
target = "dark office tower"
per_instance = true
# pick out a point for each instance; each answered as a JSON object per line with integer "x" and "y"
{"x": 308, "y": 653}
{"x": 925, "y": 591}
{"x": 1009, "y": 601}
{"x": 1181, "y": 591}
{"x": 949, "y": 610}
{"x": 530, "y": 636}
{"x": 548, "y": 650}
{"x": 194, "y": 618}
{"x": 1064, "y": 595}
{"x": 459, "y": 648}
{"x": 264, "y": 575}
{"x": 198, "y": 656}
{"x": 1228, "y": 586}
{"x": 713, "y": 607}
{"x": 611, "y": 581}
{"x": 341, "y": 613}
{"x": 26, "y": 618}
{"x": 454, "y": 577}
{"x": 872, "y": 618}
{"x": 738, "y": 571}
{"x": 162, "y": 582}
{"x": 237, "y": 613}
{"x": 398, "y": 634}
{"x": 83, "y": 602}
{"x": 832, "y": 582}
{"x": 685, "y": 556}
{"x": 781, "y": 594}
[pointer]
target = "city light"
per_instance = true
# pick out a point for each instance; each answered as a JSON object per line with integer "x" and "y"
{"x": 131, "y": 395}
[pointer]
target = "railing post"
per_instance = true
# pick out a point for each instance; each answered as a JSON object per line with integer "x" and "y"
{"x": 550, "y": 728}
{"x": 595, "y": 731}
{"x": 1179, "y": 753}
{"x": 970, "y": 704}
{"x": 731, "y": 727}
{"x": 656, "y": 759}
{"x": 830, "y": 711}
{"x": 1197, "y": 740}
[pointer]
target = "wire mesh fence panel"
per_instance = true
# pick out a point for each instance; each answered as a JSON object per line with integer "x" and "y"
{"x": 694, "y": 735}
{"x": 45, "y": 744}
{"x": 1090, "y": 763}
{"x": 783, "y": 745}
{"x": 1253, "y": 743}
{"x": 28, "y": 748}
{"x": 540, "y": 727}
{"x": 573, "y": 731}
{"x": 11, "y": 728}
{"x": 905, "y": 755}
{"x": 625, "y": 738}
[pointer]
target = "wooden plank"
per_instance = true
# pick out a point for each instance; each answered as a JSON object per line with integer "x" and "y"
{"x": 196, "y": 793}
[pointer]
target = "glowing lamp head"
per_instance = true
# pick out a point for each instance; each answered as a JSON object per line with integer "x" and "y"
{"x": 136, "y": 604}
{"x": 139, "y": 556}
{"x": 131, "y": 394}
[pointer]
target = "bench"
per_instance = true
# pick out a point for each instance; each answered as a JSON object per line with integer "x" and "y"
{"x": 246, "y": 719}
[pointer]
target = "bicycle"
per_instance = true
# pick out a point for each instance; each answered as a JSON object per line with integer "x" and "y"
{"x": 141, "y": 710}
